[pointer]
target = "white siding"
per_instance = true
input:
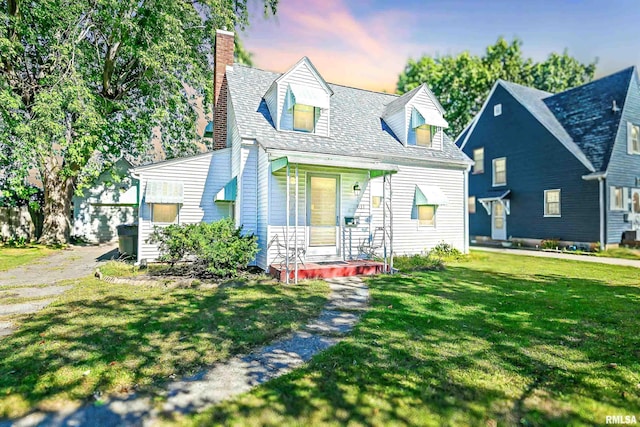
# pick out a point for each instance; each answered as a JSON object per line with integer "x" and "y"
{"x": 263, "y": 176}
{"x": 247, "y": 204}
{"x": 271, "y": 98}
{"x": 399, "y": 125}
{"x": 301, "y": 75}
{"x": 105, "y": 205}
{"x": 408, "y": 236}
{"x": 234, "y": 141}
{"x": 202, "y": 176}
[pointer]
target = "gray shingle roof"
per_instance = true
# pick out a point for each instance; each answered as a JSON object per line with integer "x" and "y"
{"x": 580, "y": 118}
{"x": 587, "y": 115}
{"x": 357, "y": 128}
{"x": 532, "y": 100}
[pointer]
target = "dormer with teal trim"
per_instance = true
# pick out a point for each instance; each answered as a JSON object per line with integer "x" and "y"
{"x": 416, "y": 118}
{"x": 300, "y": 100}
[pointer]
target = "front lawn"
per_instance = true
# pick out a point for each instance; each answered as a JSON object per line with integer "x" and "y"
{"x": 493, "y": 340}
{"x": 101, "y": 338}
{"x": 12, "y": 257}
{"x": 624, "y": 253}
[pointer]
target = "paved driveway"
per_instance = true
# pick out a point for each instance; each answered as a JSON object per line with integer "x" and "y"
{"x": 32, "y": 287}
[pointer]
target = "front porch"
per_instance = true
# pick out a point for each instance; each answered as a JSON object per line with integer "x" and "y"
{"x": 327, "y": 270}
{"x": 328, "y": 217}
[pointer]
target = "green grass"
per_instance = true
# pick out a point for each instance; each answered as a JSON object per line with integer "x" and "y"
{"x": 116, "y": 338}
{"x": 624, "y": 253}
{"x": 12, "y": 257}
{"x": 492, "y": 340}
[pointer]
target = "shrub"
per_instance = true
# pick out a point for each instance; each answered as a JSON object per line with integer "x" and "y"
{"x": 550, "y": 244}
{"x": 216, "y": 248}
{"x": 445, "y": 250}
{"x": 418, "y": 263}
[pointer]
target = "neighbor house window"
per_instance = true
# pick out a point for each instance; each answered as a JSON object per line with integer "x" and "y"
{"x": 552, "y": 203}
{"x": 618, "y": 198}
{"x": 426, "y": 215}
{"x": 478, "y": 158}
{"x": 635, "y": 200}
{"x": 424, "y": 135}
{"x": 304, "y": 117}
{"x": 497, "y": 110}
{"x": 164, "y": 212}
{"x": 472, "y": 204}
{"x": 633, "y": 138}
{"x": 500, "y": 171}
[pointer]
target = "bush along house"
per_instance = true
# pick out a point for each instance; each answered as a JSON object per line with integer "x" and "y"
{"x": 321, "y": 173}
{"x": 562, "y": 166}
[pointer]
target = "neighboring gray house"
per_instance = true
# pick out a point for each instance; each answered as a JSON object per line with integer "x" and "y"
{"x": 557, "y": 166}
{"x": 105, "y": 205}
{"x": 324, "y": 168}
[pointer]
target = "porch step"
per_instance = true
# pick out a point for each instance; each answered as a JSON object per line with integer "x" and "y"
{"x": 327, "y": 271}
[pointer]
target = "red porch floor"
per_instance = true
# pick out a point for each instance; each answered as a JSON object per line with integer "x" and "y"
{"x": 312, "y": 270}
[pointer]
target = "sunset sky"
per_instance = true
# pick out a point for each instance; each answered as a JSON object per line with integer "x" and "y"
{"x": 366, "y": 43}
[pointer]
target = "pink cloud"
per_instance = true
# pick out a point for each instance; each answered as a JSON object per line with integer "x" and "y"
{"x": 367, "y": 52}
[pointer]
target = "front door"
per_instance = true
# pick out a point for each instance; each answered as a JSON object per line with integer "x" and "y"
{"x": 323, "y": 215}
{"x": 498, "y": 222}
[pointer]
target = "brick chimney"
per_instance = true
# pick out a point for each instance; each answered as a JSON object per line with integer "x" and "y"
{"x": 223, "y": 56}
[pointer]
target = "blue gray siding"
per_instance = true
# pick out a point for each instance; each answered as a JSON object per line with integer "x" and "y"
{"x": 623, "y": 168}
{"x": 536, "y": 161}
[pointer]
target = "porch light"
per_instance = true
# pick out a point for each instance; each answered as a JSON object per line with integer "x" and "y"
{"x": 356, "y": 189}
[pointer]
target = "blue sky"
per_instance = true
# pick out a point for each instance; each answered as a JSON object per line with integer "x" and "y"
{"x": 366, "y": 43}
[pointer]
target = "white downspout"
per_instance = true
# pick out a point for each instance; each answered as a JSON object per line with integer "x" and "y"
{"x": 295, "y": 256}
{"x": 602, "y": 219}
{"x": 465, "y": 245}
{"x": 286, "y": 232}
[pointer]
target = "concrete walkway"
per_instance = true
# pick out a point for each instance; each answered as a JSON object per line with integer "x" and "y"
{"x": 348, "y": 298}
{"x": 35, "y": 281}
{"x": 557, "y": 255}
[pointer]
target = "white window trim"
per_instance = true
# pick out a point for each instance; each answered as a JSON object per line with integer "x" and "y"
{"x": 153, "y": 221}
{"x": 316, "y": 115}
{"x": 497, "y": 110}
{"x": 474, "y": 171}
{"x": 625, "y": 199}
{"x": 435, "y": 211}
{"x": 630, "y": 149}
{"x": 547, "y": 215}
{"x": 493, "y": 172}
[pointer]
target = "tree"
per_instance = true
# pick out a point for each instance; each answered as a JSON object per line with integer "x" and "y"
{"x": 462, "y": 82}
{"x": 84, "y": 81}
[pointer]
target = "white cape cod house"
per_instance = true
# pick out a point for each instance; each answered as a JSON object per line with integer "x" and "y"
{"x": 318, "y": 171}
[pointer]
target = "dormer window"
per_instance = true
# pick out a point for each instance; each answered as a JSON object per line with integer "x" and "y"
{"x": 304, "y": 118}
{"x": 424, "y": 135}
{"x": 424, "y": 126}
{"x": 305, "y": 109}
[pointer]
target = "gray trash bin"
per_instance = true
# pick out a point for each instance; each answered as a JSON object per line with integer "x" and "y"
{"x": 128, "y": 239}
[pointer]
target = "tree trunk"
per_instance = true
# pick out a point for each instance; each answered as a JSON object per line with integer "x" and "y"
{"x": 56, "y": 228}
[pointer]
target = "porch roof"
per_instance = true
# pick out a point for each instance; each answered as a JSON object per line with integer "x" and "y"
{"x": 494, "y": 195}
{"x": 376, "y": 168}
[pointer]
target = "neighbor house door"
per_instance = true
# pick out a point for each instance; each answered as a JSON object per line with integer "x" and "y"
{"x": 323, "y": 214}
{"x": 498, "y": 222}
